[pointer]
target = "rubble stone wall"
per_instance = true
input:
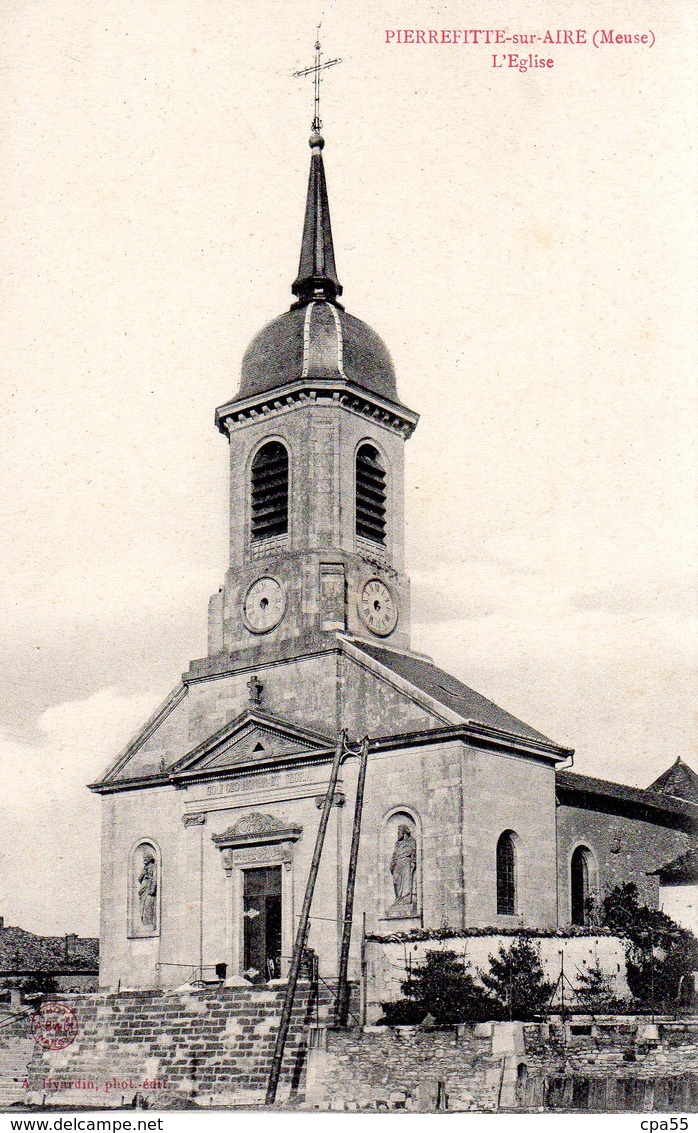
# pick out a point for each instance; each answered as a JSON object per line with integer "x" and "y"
{"x": 406, "y": 1068}
{"x": 394, "y": 1068}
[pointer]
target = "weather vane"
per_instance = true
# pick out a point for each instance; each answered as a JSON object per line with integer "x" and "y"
{"x": 316, "y": 69}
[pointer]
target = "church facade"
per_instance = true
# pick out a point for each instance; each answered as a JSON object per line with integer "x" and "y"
{"x": 472, "y": 818}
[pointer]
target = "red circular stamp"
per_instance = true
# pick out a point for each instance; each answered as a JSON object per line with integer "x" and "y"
{"x": 54, "y": 1026}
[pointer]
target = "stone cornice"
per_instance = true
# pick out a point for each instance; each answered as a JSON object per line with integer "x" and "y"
{"x": 315, "y": 391}
{"x": 475, "y": 735}
{"x": 468, "y": 732}
{"x": 111, "y": 786}
{"x": 254, "y": 829}
{"x": 258, "y": 657}
{"x": 145, "y": 732}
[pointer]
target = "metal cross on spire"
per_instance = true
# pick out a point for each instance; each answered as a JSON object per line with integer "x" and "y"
{"x": 316, "y": 69}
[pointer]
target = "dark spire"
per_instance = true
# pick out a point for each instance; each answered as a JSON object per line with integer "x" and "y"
{"x": 317, "y": 274}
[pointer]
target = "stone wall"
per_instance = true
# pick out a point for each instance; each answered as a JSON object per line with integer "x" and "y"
{"x": 393, "y": 1068}
{"x": 612, "y": 1047}
{"x": 213, "y": 1048}
{"x": 468, "y": 1068}
{"x": 210, "y": 1046}
{"x": 680, "y": 902}
{"x": 16, "y": 1051}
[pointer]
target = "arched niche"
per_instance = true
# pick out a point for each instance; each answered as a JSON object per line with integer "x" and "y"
{"x": 401, "y": 864}
{"x": 144, "y": 889}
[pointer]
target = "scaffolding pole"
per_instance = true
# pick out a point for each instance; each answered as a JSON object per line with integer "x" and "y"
{"x": 303, "y": 925}
{"x": 341, "y": 1014}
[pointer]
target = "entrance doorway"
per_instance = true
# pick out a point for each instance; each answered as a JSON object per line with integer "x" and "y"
{"x": 262, "y": 920}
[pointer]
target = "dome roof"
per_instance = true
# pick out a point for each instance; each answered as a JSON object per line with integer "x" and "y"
{"x": 317, "y": 340}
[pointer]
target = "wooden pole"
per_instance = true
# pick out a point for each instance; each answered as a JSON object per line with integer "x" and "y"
{"x": 364, "y": 973}
{"x": 342, "y": 1005}
{"x": 303, "y": 926}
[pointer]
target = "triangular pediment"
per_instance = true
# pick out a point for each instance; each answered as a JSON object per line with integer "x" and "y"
{"x": 251, "y": 738}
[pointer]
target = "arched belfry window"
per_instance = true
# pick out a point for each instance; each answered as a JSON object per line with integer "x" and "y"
{"x": 269, "y": 503}
{"x": 506, "y": 874}
{"x": 370, "y": 494}
{"x": 581, "y": 872}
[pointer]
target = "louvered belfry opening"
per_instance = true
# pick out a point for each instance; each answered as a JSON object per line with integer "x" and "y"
{"x": 370, "y": 495}
{"x": 270, "y": 491}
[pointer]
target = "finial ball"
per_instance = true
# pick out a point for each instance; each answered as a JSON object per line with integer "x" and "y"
{"x": 316, "y": 141}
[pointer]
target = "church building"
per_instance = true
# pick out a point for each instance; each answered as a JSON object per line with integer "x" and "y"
{"x": 472, "y": 818}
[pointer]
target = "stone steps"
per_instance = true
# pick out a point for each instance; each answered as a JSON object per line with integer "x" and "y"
{"x": 14, "y": 1060}
{"x": 11, "y": 1089}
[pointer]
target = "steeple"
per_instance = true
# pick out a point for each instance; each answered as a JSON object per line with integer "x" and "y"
{"x": 317, "y": 435}
{"x": 317, "y": 272}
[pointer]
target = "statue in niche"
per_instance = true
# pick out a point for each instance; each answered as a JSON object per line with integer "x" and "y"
{"x": 403, "y": 867}
{"x": 148, "y": 890}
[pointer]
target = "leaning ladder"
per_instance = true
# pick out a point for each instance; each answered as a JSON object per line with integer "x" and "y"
{"x": 303, "y": 924}
{"x": 342, "y": 1005}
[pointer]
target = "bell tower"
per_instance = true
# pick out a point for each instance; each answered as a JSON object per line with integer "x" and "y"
{"x": 316, "y": 433}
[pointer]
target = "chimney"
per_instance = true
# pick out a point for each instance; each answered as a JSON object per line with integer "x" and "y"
{"x": 2, "y": 923}
{"x": 71, "y": 939}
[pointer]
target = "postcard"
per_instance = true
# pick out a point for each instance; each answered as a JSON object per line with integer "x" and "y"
{"x": 348, "y": 739}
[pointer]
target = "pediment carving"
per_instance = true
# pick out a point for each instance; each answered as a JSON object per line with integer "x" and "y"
{"x": 254, "y": 829}
{"x": 252, "y": 744}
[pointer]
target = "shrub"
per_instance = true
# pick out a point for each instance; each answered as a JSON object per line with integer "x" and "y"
{"x": 444, "y": 988}
{"x": 516, "y": 981}
{"x": 594, "y": 992}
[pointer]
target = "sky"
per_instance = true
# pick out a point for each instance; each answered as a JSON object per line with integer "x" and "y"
{"x": 525, "y": 243}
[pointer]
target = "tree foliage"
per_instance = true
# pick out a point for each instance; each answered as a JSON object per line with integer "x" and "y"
{"x": 516, "y": 980}
{"x": 444, "y": 988}
{"x": 660, "y": 951}
{"x": 594, "y": 991}
{"x": 39, "y": 983}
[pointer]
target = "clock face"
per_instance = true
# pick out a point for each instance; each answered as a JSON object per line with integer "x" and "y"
{"x": 264, "y": 605}
{"x": 378, "y": 608}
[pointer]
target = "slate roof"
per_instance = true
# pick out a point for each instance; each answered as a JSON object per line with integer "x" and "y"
{"x": 451, "y": 692}
{"x": 679, "y": 781}
{"x": 648, "y": 798}
{"x": 682, "y": 870}
{"x": 26, "y": 952}
{"x": 317, "y": 341}
{"x": 317, "y": 270}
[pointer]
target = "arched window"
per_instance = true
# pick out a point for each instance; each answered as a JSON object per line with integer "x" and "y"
{"x": 581, "y": 870}
{"x": 269, "y": 506}
{"x": 370, "y": 494}
{"x": 506, "y": 874}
